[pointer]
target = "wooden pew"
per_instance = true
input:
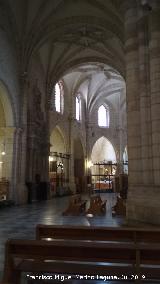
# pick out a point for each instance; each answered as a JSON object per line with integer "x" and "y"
{"x": 97, "y": 206}
{"x": 80, "y": 257}
{"x": 76, "y": 205}
{"x": 120, "y": 207}
{"x": 33, "y": 256}
{"x": 114, "y": 234}
{"x": 85, "y": 233}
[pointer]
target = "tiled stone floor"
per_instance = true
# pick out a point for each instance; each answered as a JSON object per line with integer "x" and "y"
{"x": 20, "y": 221}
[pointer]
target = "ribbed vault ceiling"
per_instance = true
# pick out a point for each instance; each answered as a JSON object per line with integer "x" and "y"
{"x": 97, "y": 83}
{"x": 67, "y": 33}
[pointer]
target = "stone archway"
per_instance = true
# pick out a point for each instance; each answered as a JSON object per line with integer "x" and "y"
{"x": 103, "y": 150}
{"x": 103, "y": 163}
{"x": 7, "y": 130}
{"x": 79, "y": 165}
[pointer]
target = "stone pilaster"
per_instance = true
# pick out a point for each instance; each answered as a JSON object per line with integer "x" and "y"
{"x": 154, "y": 48}
{"x": 19, "y": 190}
{"x": 20, "y": 150}
{"x": 136, "y": 115}
{"x": 133, "y": 98}
{"x": 144, "y": 93}
{"x": 71, "y": 163}
{"x": 144, "y": 154}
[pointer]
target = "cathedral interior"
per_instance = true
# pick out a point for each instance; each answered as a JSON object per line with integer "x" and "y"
{"x": 79, "y": 113}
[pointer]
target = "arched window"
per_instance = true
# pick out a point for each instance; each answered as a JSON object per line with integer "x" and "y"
{"x": 103, "y": 116}
{"x": 59, "y": 97}
{"x": 78, "y": 109}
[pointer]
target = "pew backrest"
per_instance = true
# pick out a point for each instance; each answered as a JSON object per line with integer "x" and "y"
{"x": 76, "y": 205}
{"x": 83, "y": 256}
{"x": 36, "y": 256}
{"x": 116, "y": 234}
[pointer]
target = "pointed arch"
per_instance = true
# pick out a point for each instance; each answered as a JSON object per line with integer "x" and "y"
{"x": 103, "y": 150}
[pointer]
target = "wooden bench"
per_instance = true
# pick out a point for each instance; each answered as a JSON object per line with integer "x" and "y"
{"x": 79, "y": 257}
{"x": 33, "y": 256}
{"x": 97, "y": 206}
{"x": 114, "y": 234}
{"x": 120, "y": 207}
{"x": 76, "y": 206}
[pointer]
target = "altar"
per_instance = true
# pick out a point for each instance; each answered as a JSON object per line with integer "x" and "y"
{"x": 103, "y": 185}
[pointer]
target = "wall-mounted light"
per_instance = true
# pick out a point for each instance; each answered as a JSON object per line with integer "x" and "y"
{"x": 50, "y": 159}
{"x": 3, "y": 149}
{"x": 1, "y": 162}
{"x": 89, "y": 164}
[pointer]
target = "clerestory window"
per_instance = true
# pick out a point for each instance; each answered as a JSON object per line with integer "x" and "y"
{"x": 59, "y": 97}
{"x": 78, "y": 109}
{"x": 103, "y": 116}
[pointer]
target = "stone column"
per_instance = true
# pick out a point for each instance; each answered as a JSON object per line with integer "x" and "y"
{"x": 154, "y": 47}
{"x": 45, "y": 162}
{"x": 154, "y": 52}
{"x": 19, "y": 193}
{"x": 144, "y": 137}
{"x": 144, "y": 93}
{"x": 71, "y": 163}
{"x": 133, "y": 109}
{"x": 20, "y": 149}
{"x": 132, "y": 97}
{"x": 30, "y": 159}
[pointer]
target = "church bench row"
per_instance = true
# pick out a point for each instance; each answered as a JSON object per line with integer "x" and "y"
{"x": 77, "y": 206}
{"x": 118, "y": 234}
{"x": 97, "y": 205}
{"x": 91, "y": 258}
